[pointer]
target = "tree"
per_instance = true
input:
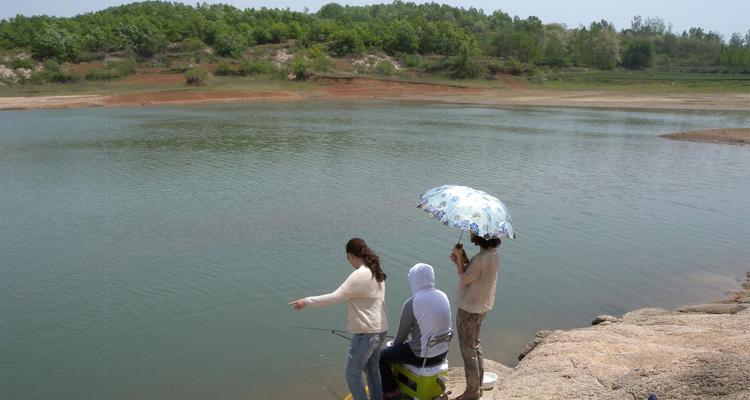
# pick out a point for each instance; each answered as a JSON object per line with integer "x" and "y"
{"x": 464, "y": 65}
{"x": 346, "y": 41}
{"x": 402, "y": 38}
{"x": 639, "y": 53}
{"x": 55, "y": 43}
{"x": 605, "y": 45}
{"x": 229, "y": 45}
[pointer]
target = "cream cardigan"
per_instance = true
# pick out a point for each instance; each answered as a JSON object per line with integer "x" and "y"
{"x": 366, "y": 298}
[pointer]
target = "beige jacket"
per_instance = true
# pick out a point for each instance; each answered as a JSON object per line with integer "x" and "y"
{"x": 366, "y": 298}
{"x": 476, "y": 286}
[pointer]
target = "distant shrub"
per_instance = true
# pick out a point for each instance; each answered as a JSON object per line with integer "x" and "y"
{"x": 196, "y": 76}
{"x": 385, "y": 68}
{"x": 254, "y": 68}
{"x": 300, "y": 68}
{"x": 113, "y": 70}
{"x": 494, "y": 67}
{"x": 514, "y": 67}
{"x": 412, "y": 60}
{"x": 88, "y": 56}
{"x": 19, "y": 63}
{"x": 318, "y": 59}
{"x": 224, "y": 69}
{"x": 52, "y": 72}
{"x": 188, "y": 45}
{"x": 52, "y": 66}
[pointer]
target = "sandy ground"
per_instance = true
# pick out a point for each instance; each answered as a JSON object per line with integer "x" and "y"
{"x": 369, "y": 89}
{"x": 740, "y": 136}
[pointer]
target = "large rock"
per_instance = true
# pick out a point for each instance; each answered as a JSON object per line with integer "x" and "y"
{"x": 697, "y": 352}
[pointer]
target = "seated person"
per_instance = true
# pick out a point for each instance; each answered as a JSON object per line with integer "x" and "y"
{"x": 426, "y": 315}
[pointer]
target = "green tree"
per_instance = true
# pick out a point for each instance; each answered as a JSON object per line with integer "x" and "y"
{"x": 346, "y": 41}
{"x": 639, "y": 52}
{"x": 604, "y": 45}
{"x": 55, "y": 43}
{"x": 464, "y": 65}
{"x": 229, "y": 45}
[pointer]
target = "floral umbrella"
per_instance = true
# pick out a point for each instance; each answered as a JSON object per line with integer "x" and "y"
{"x": 468, "y": 209}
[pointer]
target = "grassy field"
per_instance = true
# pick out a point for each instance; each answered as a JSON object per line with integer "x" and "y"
{"x": 647, "y": 81}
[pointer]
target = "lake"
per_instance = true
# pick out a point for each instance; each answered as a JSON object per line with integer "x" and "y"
{"x": 150, "y": 253}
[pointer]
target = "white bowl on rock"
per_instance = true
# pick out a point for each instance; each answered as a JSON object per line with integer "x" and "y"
{"x": 488, "y": 380}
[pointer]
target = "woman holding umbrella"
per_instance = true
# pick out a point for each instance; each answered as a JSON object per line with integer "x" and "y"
{"x": 475, "y": 296}
{"x": 364, "y": 291}
{"x": 487, "y": 219}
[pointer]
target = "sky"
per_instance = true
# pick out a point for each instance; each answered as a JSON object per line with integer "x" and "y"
{"x": 722, "y": 16}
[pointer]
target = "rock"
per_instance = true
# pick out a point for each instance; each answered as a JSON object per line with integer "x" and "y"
{"x": 538, "y": 338}
{"x": 743, "y": 300}
{"x": 714, "y": 308}
{"x": 603, "y": 318}
{"x": 696, "y": 352}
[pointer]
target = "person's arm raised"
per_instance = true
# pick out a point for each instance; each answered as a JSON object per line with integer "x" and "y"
{"x": 324, "y": 300}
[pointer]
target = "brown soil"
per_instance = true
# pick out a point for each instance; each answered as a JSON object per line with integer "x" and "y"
{"x": 154, "y": 79}
{"x": 193, "y": 96}
{"x": 738, "y": 136}
{"x": 375, "y": 88}
{"x": 513, "y": 93}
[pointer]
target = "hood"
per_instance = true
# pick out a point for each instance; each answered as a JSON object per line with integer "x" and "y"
{"x": 421, "y": 276}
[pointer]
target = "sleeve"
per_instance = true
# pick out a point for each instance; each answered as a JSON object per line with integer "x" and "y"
{"x": 472, "y": 273}
{"x": 407, "y": 321}
{"x": 337, "y": 296}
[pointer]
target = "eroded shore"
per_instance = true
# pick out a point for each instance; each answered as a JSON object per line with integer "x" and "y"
{"x": 353, "y": 89}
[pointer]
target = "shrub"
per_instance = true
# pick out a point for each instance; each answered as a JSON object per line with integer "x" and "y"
{"x": 385, "y": 68}
{"x": 494, "y": 67}
{"x": 300, "y": 68}
{"x": 51, "y": 65}
{"x": 52, "y": 72}
{"x": 113, "y": 70}
{"x": 186, "y": 46}
{"x": 196, "y": 76}
{"x": 224, "y": 69}
{"x": 19, "y": 63}
{"x": 254, "y": 68}
{"x": 411, "y": 60}
{"x": 318, "y": 59}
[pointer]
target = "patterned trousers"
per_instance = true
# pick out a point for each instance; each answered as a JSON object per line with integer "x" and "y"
{"x": 469, "y": 325}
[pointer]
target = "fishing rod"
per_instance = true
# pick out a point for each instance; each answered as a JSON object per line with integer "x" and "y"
{"x": 337, "y": 332}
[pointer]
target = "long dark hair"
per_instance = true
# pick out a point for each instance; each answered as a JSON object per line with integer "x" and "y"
{"x": 485, "y": 243}
{"x": 358, "y": 248}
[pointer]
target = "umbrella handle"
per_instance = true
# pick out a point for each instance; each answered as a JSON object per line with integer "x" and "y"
{"x": 459, "y": 244}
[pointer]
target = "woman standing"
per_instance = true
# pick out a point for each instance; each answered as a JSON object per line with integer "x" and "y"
{"x": 475, "y": 296}
{"x": 364, "y": 291}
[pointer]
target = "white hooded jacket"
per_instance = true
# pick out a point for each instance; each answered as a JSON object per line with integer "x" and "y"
{"x": 426, "y": 315}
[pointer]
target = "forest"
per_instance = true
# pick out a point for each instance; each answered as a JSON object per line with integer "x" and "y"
{"x": 469, "y": 41}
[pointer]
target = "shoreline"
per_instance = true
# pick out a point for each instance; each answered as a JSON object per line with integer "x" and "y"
{"x": 367, "y": 89}
{"x": 735, "y": 136}
{"x": 693, "y": 352}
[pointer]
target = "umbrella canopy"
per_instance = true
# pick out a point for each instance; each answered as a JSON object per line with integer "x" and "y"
{"x": 468, "y": 209}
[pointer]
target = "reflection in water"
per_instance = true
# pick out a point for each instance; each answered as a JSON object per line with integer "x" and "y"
{"x": 151, "y": 252}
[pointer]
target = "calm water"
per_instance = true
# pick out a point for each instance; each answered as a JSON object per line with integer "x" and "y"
{"x": 150, "y": 253}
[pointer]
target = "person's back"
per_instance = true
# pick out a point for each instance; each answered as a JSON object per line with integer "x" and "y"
{"x": 426, "y": 317}
{"x": 431, "y": 310}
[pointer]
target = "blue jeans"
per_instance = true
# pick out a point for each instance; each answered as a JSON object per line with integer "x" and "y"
{"x": 364, "y": 355}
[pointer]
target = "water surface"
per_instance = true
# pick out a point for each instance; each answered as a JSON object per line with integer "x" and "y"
{"x": 150, "y": 252}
